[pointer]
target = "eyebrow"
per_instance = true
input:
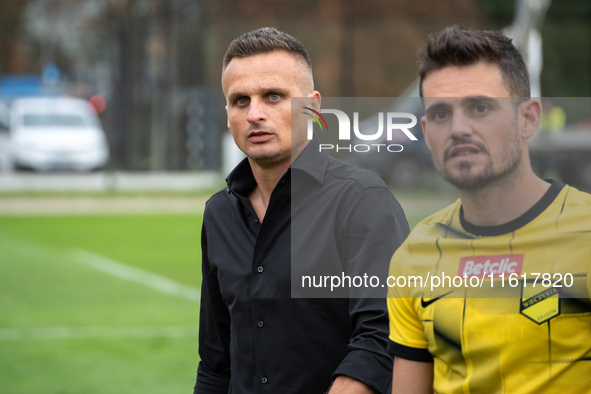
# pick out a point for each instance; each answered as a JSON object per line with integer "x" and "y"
{"x": 232, "y": 97}
{"x": 436, "y": 107}
{"x": 464, "y": 102}
{"x": 479, "y": 99}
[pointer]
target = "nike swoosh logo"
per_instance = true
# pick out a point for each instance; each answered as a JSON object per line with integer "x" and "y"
{"x": 425, "y": 304}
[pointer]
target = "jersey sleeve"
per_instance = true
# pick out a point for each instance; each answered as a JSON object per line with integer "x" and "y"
{"x": 407, "y": 336}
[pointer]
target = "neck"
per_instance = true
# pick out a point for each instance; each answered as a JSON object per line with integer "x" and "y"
{"x": 267, "y": 176}
{"x": 504, "y": 200}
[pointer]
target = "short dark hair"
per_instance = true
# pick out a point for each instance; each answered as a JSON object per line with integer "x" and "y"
{"x": 458, "y": 46}
{"x": 265, "y": 40}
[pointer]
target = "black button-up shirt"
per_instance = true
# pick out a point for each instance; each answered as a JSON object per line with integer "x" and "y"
{"x": 254, "y": 337}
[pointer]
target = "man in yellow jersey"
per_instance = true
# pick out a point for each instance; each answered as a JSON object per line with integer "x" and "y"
{"x": 504, "y": 306}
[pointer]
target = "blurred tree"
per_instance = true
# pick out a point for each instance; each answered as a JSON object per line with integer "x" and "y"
{"x": 499, "y": 11}
{"x": 158, "y": 62}
{"x": 525, "y": 32}
{"x": 359, "y": 48}
{"x": 567, "y": 49}
{"x": 566, "y": 43}
{"x": 72, "y": 34}
{"x": 14, "y": 58}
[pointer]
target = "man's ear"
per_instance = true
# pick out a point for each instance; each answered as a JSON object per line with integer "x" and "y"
{"x": 315, "y": 100}
{"x": 531, "y": 117}
{"x": 424, "y": 128}
{"x": 227, "y": 118}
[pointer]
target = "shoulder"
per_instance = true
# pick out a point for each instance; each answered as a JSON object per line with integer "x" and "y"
{"x": 416, "y": 252}
{"x": 354, "y": 187}
{"x": 571, "y": 210}
{"x": 219, "y": 197}
{"x": 359, "y": 196}
{"x": 219, "y": 201}
{"x": 346, "y": 173}
{"x": 573, "y": 198}
{"x": 444, "y": 223}
{"x": 447, "y": 217}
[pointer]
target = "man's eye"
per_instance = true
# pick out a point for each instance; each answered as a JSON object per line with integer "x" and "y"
{"x": 480, "y": 109}
{"x": 274, "y": 97}
{"x": 242, "y": 101}
{"x": 440, "y": 115}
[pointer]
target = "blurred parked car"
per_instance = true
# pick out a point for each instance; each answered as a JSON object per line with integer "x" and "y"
{"x": 52, "y": 133}
{"x": 5, "y": 164}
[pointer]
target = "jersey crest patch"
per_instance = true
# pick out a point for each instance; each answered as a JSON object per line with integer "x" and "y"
{"x": 539, "y": 304}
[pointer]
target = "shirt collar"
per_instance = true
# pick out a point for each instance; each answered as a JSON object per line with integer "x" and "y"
{"x": 515, "y": 224}
{"x": 311, "y": 160}
{"x": 241, "y": 180}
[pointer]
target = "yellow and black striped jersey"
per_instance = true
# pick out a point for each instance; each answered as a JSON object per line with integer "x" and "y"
{"x": 521, "y": 338}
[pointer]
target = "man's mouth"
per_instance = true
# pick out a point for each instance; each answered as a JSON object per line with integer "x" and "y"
{"x": 259, "y": 136}
{"x": 463, "y": 150}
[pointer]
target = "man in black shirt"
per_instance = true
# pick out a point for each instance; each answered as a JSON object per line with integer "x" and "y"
{"x": 254, "y": 336}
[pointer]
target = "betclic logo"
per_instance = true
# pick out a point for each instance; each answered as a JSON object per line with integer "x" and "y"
{"x": 497, "y": 265}
{"x": 345, "y": 129}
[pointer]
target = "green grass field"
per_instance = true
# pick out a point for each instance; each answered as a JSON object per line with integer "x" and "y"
{"x": 67, "y": 326}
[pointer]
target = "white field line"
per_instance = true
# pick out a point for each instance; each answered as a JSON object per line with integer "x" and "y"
{"x": 137, "y": 275}
{"x": 7, "y": 334}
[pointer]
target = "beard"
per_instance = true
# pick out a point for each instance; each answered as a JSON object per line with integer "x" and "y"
{"x": 264, "y": 157}
{"x": 269, "y": 159}
{"x": 465, "y": 179}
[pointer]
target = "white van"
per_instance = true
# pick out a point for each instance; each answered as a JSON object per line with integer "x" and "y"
{"x": 49, "y": 133}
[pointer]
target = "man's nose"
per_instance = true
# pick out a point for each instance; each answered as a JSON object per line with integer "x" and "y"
{"x": 460, "y": 125}
{"x": 256, "y": 112}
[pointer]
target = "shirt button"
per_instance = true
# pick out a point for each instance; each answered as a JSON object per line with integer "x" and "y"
{"x": 264, "y": 380}
{"x": 261, "y": 324}
{"x": 260, "y": 269}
